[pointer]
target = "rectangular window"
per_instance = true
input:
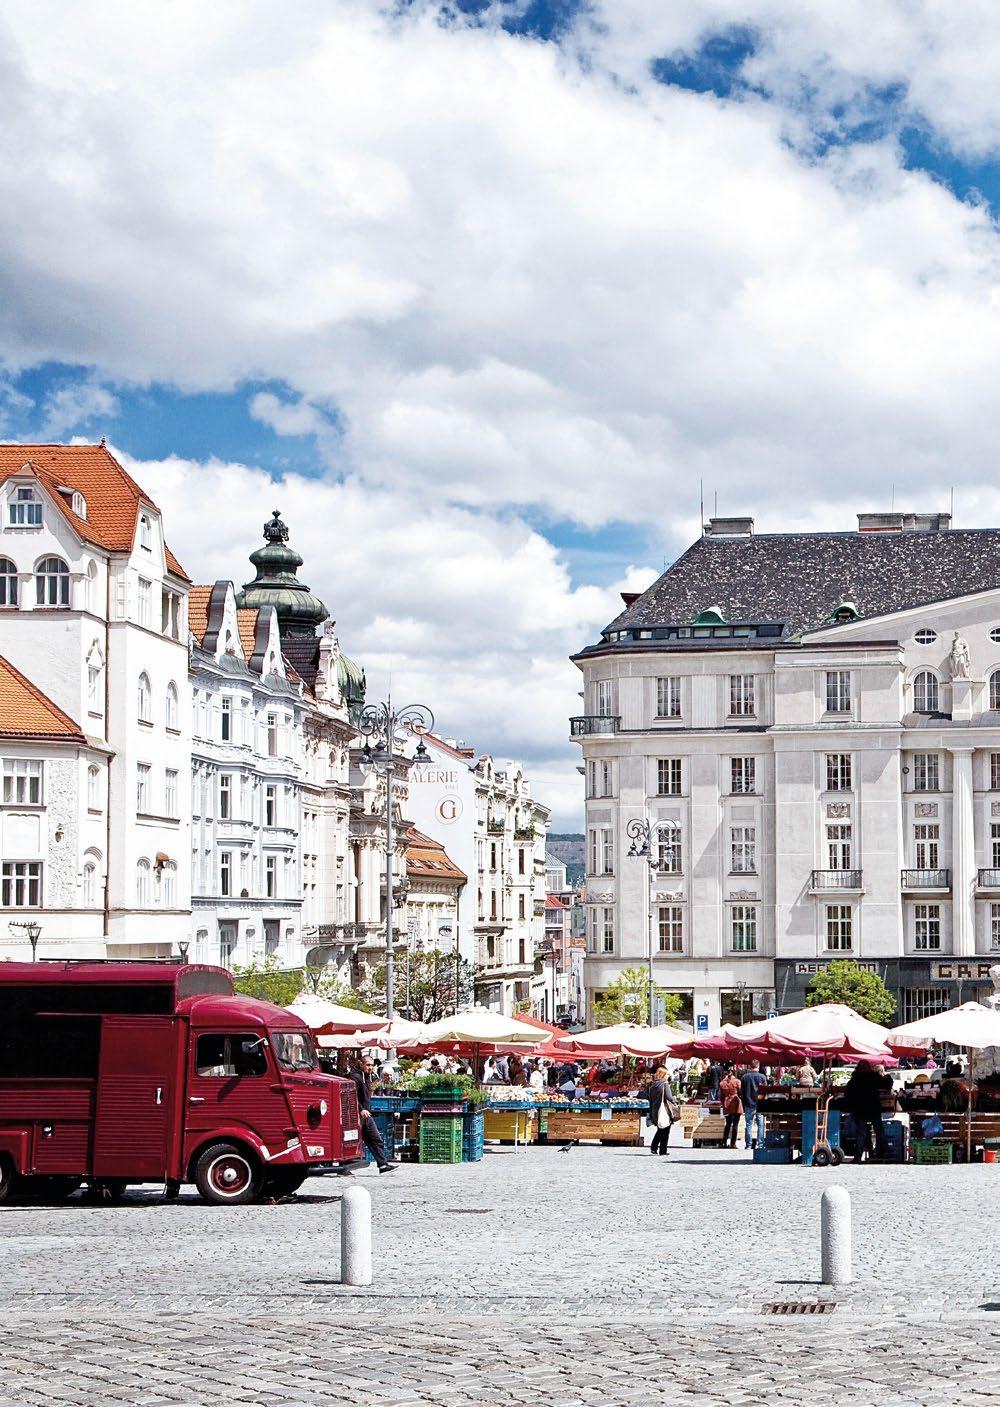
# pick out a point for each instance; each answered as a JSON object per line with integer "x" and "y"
{"x": 927, "y": 927}
{"x": 668, "y": 850}
{"x": 225, "y": 873}
{"x": 170, "y": 614}
{"x": 926, "y": 775}
{"x": 741, "y": 696}
{"x": 744, "y": 928}
{"x": 270, "y": 804}
{"x": 607, "y": 930}
{"x": 228, "y": 938}
{"x": 24, "y": 510}
{"x": 925, "y": 845}
{"x": 145, "y": 600}
{"x": 22, "y": 782}
{"x": 670, "y": 927}
{"x": 838, "y": 846}
{"x": 93, "y": 689}
{"x": 93, "y": 789}
{"x": 838, "y": 691}
{"x": 995, "y": 928}
{"x": 601, "y": 850}
{"x": 170, "y": 792}
{"x": 839, "y": 928}
{"x": 668, "y": 776}
{"x": 271, "y": 875}
{"x": 995, "y": 771}
{"x": 744, "y": 849}
{"x": 225, "y": 796}
{"x": 599, "y": 778}
{"x": 520, "y": 859}
{"x": 493, "y": 856}
{"x": 272, "y": 735}
{"x": 838, "y": 771}
{"x": 520, "y": 906}
{"x": 22, "y": 884}
{"x": 604, "y": 698}
{"x": 226, "y": 720}
{"x": 668, "y": 698}
{"x": 142, "y": 787}
{"x": 742, "y": 775}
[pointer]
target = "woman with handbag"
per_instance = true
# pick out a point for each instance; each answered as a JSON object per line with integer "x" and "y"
{"x": 662, "y": 1111}
{"x": 732, "y": 1106}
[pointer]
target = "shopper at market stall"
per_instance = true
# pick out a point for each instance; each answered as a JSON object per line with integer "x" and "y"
{"x": 361, "y": 1073}
{"x": 663, "y": 1111}
{"x": 712, "y": 1079}
{"x": 750, "y": 1087}
{"x": 805, "y": 1075}
{"x": 732, "y": 1106}
{"x": 863, "y": 1100}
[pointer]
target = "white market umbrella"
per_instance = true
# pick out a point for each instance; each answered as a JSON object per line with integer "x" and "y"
{"x": 399, "y": 1034}
{"x": 327, "y": 1018}
{"x": 627, "y": 1038}
{"x": 480, "y": 1027}
{"x": 826, "y": 1030}
{"x": 971, "y": 1025}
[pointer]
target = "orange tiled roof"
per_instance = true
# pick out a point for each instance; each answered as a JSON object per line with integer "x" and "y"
{"x": 246, "y": 621}
{"x": 112, "y": 495}
{"x": 427, "y": 859}
{"x": 25, "y": 712}
{"x": 198, "y": 598}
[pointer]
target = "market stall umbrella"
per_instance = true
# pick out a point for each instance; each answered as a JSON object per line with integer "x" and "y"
{"x": 398, "y": 1035}
{"x": 971, "y": 1025}
{"x": 328, "y": 1019}
{"x": 480, "y": 1027}
{"x": 627, "y": 1038}
{"x": 826, "y": 1030}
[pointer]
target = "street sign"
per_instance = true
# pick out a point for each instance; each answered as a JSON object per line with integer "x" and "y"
{"x": 772, "y": 1014}
{"x": 701, "y": 1022}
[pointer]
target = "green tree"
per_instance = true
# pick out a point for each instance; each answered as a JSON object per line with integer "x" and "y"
{"x": 845, "y": 982}
{"x": 426, "y": 985}
{"x": 268, "y": 982}
{"x": 627, "y": 999}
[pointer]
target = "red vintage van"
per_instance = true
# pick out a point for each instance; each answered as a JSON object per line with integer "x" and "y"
{"x": 128, "y": 1072}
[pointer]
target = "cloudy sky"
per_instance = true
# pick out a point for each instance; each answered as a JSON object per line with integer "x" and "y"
{"x": 477, "y": 294}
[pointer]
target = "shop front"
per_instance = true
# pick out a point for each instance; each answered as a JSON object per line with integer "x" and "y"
{"x": 921, "y": 986}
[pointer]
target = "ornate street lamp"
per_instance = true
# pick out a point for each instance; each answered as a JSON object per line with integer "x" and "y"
{"x": 645, "y": 837}
{"x": 383, "y": 727}
{"x": 32, "y": 931}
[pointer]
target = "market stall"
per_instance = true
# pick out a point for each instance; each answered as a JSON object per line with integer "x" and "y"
{"x": 972, "y": 1027}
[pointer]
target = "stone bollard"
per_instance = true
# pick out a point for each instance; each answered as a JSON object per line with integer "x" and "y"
{"x": 356, "y": 1237}
{"x": 835, "y": 1232}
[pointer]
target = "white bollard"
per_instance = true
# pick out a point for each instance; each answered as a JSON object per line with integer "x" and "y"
{"x": 835, "y": 1230}
{"x": 356, "y": 1237}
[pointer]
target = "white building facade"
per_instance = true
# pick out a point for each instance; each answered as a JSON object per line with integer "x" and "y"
{"x": 93, "y": 613}
{"x": 810, "y": 724}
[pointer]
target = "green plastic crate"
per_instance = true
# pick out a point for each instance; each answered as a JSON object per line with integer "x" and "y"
{"x": 441, "y": 1138}
{"x": 926, "y": 1150}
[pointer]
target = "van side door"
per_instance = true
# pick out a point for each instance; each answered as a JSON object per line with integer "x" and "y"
{"x": 137, "y": 1085}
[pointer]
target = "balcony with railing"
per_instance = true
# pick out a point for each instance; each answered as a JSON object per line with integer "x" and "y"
{"x": 988, "y": 881}
{"x": 835, "y": 881}
{"x": 593, "y": 725}
{"x": 923, "y": 880}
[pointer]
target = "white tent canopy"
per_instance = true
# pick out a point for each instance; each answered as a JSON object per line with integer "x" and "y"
{"x": 482, "y": 1027}
{"x": 828, "y": 1029}
{"x": 398, "y": 1035}
{"x": 627, "y": 1038}
{"x": 971, "y": 1025}
{"x": 327, "y": 1018}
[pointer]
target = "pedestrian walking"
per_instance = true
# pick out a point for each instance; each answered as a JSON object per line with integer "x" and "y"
{"x": 663, "y": 1111}
{"x": 732, "y": 1106}
{"x": 713, "y": 1076}
{"x": 750, "y": 1087}
{"x": 863, "y": 1100}
{"x": 361, "y": 1074}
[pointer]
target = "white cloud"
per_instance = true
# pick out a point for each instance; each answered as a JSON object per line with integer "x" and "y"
{"x": 75, "y": 405}
{"x": 288, "y": 417}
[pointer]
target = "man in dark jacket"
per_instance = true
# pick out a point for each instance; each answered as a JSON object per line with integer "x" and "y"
{"x": 361, "y": 1073}
{"x": 750, "y": 1087}
{"x": 863, "y": 1100}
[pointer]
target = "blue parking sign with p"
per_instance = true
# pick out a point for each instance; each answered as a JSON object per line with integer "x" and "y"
{"x": 701, "y": 1021}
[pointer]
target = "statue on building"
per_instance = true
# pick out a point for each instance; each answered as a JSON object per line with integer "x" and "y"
{"x": 959, "y": 662}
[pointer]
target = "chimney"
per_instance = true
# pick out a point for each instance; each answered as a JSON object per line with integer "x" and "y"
{"x": 630, "y": 597}
{"x": 904, "y": 522}
{"x": 729, "y": 527}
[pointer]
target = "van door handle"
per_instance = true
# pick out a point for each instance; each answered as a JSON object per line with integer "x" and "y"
{"x": 196, "y": 1099}
{"x": 159, "y": 1094}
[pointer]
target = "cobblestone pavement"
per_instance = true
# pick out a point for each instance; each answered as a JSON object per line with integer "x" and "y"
{"x": 599, "y": 1276}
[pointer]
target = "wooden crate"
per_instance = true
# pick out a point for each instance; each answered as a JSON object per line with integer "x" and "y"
{"x": 691, "y": 1117}
{"x": 624, "y": 1126}
{"x": 510, "y": 1125}
{"x": 710, "y": 1130}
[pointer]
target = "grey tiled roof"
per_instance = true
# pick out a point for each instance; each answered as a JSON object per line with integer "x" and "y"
{"x": 798, "y": 578}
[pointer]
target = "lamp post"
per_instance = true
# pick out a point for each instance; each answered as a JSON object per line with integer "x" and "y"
{"x": 741, "y": 992}
{"x": 645, "y": 837}
{"x": 31, "y": 930}
{"x": 383, "y": 726}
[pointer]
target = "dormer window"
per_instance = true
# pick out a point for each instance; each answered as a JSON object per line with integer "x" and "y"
{"x": 78, "y": 504}
{"x": 843, "y": 612}
{"x": 145, "y": 532}
{"x": 24, "y": 509}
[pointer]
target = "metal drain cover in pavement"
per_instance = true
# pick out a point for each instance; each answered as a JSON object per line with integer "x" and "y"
{"x": 799, "y": 1307}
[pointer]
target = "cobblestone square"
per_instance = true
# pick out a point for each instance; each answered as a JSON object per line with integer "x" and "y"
{"x": 598, "y": 1276}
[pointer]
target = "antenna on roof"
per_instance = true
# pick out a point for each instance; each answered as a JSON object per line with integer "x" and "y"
{"x": 104, "y": 442}
{"x": 701, "y": 504}
{"x": 715, "y": 510}
{"x": 952, "y": 510}
{"x": 892, "y": 498}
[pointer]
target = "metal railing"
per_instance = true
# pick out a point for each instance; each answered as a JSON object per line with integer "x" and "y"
{"x": 988, "y": 879}
{"x": 926, "y": 879}
{"x": 591, "y": 725}
{"x": 835, "y": 879}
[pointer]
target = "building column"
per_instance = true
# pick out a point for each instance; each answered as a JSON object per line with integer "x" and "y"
{"x": 963, "y": 854}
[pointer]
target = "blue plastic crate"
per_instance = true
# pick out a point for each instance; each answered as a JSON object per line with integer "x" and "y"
{"x": 472, "y": 1137}
{"x": 777, "y": 1138}
{"x": 387, "y": 1129}
{"x": 772, "y": 1155}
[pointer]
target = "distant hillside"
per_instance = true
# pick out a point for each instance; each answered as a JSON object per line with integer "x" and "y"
{"x": 570, "y": 850}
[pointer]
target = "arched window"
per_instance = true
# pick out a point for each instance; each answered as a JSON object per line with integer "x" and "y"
{"x": 925, "y": 692}
{"x": 90, "y": 586}
{"x": 93, "y": 789}
{"x": 90, "y": 883}
{"x": 142, "y": 884}
{"x": 145, "y": 532}
{"x": 8, "y": 582}
{"x": 171, "y": 709}
{"x": 168, "y": 885}
{"x": 52, "y": 582}
{"x": 143, "y": 701}
{"x": 995, "y": 689}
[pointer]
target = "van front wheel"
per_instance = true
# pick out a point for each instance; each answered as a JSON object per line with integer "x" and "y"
{"x": 227, "y": 1174}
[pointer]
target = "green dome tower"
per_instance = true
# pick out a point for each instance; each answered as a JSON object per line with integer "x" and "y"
{"x": 276, "y": 584}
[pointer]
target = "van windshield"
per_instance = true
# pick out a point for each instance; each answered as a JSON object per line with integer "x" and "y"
{"x": 294, "y": 1050}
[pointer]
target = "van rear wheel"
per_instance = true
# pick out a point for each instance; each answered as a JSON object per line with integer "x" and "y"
{"x": 227, "y": 1174}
